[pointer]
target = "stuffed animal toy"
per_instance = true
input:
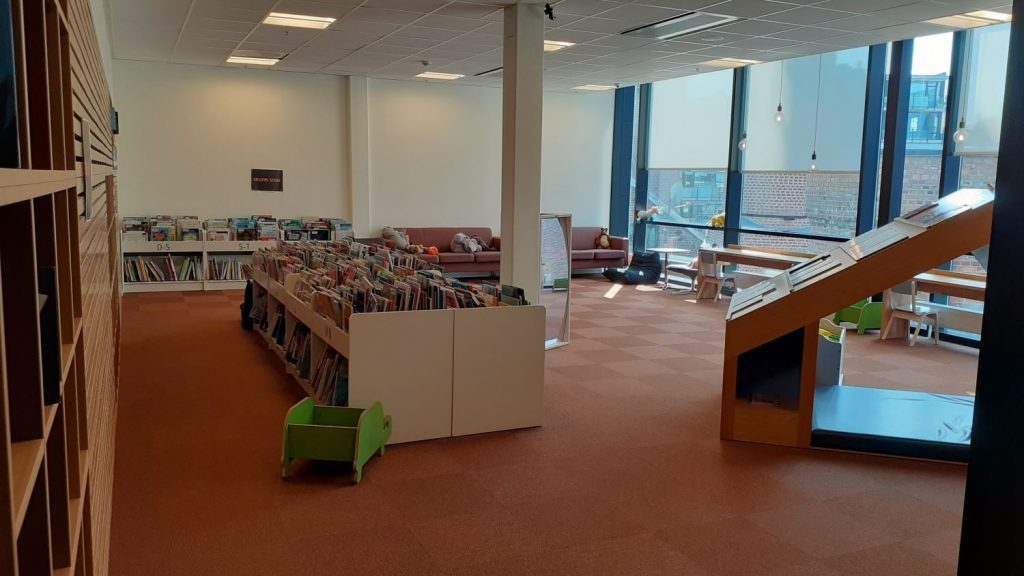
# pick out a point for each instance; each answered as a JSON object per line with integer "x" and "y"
{"x": 465, "y": 244}
{"x": 432, "y": 250}
{"x": 415, "y": 249}
{"x": 648, "y": 214}
{"x": 394, "y": 238}
{"x": 602, "y": 240}
{"x": 484, "y": 246}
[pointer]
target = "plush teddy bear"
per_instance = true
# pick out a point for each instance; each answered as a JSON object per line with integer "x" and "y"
{"x": 465, "y": 244}
{"x": 415, "y": 249}
{"x": 602, "y": 240}
{"x": 394, "y": 238}
{"x": 432, "y": 250}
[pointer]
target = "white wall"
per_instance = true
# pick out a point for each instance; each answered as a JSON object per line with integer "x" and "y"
{"x": 435, "y": 155}
{"x": 191, "y": 134}
{"x": 101, "y": 21}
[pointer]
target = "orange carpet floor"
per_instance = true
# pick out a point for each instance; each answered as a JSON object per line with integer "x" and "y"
{"x": 627, "y": 476}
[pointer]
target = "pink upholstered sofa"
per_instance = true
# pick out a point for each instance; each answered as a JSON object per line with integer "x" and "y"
{"x": 584, "y": 255}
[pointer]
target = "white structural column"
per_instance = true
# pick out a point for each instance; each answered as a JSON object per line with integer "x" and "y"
{"x": 522, "y": 107}
{"x": 359, "y": 154}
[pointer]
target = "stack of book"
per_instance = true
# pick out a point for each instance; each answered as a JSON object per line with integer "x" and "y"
{"x": 224, "y": 268}
{"x": 242, "y": 228}
{"x": 163, "y": 228}
{"x": 217, "y": 229}
{"x": 135, "y": 229}
{"x": 160, "y": 268}
{"x": 330, "y": 379}
{"x": 341, "y": 278}
{"x": 189, "y": 229}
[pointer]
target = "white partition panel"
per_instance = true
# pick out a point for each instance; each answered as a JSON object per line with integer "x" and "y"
{"x": 498, "y": 381}
{"x": 404, "y": 360}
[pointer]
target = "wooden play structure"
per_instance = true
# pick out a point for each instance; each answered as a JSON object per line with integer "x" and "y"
{"x": 771, "y": 391}
{"x": 334, "y": 433}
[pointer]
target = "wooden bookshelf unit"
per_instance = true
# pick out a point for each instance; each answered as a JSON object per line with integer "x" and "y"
{"x": 60, "y": 319}
{"x": 438, "y": 373}
{"x": 769, "y": 391}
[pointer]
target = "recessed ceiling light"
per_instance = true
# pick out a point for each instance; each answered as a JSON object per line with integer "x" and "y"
{"x": 556, "y": 45}
{"x": 688, "y": 23}
{"x": 251, "y": 60}
{"x": 971, "y": 19}
{"x": 594, "y": 87}
{"x": 298, "y": 20}
{"x": 991, "y": 15}
{"x": 730, "y": 62}
{"x": 439, "y": 76}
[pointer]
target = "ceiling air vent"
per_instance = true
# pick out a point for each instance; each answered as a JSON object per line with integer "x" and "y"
{"x": 685, "y": 24}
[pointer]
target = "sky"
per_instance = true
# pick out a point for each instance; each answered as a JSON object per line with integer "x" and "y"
{"x": 932, "y": 54}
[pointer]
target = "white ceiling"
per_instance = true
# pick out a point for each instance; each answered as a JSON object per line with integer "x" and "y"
{"x": 391, "y": 38}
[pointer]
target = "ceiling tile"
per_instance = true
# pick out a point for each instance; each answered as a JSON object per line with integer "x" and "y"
{"x": 421, "y": 6}
{"x": 577, "y": 36}
{"x": 592, "y": 24}
{"x": 205, "y": 10}
{"x": 584, "y": 7}
{"x": 680, "y": 4}
{"x": 168, "y": 11}
{"x": 313, "y": 8}
{"x": 382, "y": 15}
{"x": 451, "y": 23}
{"x": 854, "y": 40}
{"x": 723, "y": 52}
{"x": 763, "y": 43}
{"x": 633, "y": 15}
{"x": 862, "y": 6}
{"x": 430, "y": 33}
{"x": 622, "y": 42}
{"x": 359, "y": 27}
{"x": 754, "y": 27}
{"x": 677, "y": 59}
{"x": 862, "y": 23}
{"x": 918, "y": 11}
{"x": 905, "y": 31}
{"x": 807, "y": 15}
{"x": 467, "y": 10}
{"x": 748, "y": 8}
{"x": 806, "y": 34}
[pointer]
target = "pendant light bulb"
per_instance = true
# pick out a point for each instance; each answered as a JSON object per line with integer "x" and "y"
{"x": 743, "y": 142}
{"x": 961, "y": 133}
{"x": 814, "y": 161}
{"x": 778, "y": 113}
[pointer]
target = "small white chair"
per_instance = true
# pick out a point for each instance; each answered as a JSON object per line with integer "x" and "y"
{"x": 688, "y": 270}
{"x": 710, "y": 274}
{"x": 912, "y": 311}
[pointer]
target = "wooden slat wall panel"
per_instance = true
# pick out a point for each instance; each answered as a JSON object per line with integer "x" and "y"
{"x": 101, "y": 304}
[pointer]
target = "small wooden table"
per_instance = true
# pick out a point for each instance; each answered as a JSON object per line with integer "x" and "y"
{"x": 664, "y": 268}
{"x": 935, "y": 281}
{"x": 773, "y": 260}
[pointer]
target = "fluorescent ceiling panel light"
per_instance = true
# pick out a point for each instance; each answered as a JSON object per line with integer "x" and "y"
{"x": 730, "y": 62}
{"x": 971, "y": 19}
{"x": 594, "y": 87}
{"x": 298, "y": 20}
{"x": 556, "y": 45}
{"x": 684, "y": 24}
{"x": 251, "y": 60}
{"x": 991, "y": 15}
{"x": 439, "y": 76}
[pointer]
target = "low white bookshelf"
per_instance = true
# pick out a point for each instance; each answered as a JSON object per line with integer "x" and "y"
{"x": 208, "y": 252}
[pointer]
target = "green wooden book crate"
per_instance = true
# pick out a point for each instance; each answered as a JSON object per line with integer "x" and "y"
{"x": 334, "y": 433}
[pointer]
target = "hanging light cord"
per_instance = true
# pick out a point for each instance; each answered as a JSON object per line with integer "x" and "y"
{"x": 965, "y": 70}
{"x": 817, "y": 105}
{"x": 782, "y": 75}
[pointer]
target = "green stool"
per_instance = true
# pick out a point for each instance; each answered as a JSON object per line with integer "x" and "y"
{"x": 334, "y": 433}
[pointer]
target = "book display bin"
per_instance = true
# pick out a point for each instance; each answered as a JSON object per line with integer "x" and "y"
{"x": 439, "y": 373}
{"x": 334, "y": 433}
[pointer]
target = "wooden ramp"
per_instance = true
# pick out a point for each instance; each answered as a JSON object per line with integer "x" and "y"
{"x": 771, "y": 337}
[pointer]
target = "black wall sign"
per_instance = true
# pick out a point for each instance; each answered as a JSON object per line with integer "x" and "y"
{"x": 267, "y": 180}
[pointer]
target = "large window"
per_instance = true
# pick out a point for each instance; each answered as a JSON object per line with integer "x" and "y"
{"x": 823, "y": 114}
{"x": 982, "y": 105}
{"x": 926, "y": 119}
{"x": 689, "y": 147}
